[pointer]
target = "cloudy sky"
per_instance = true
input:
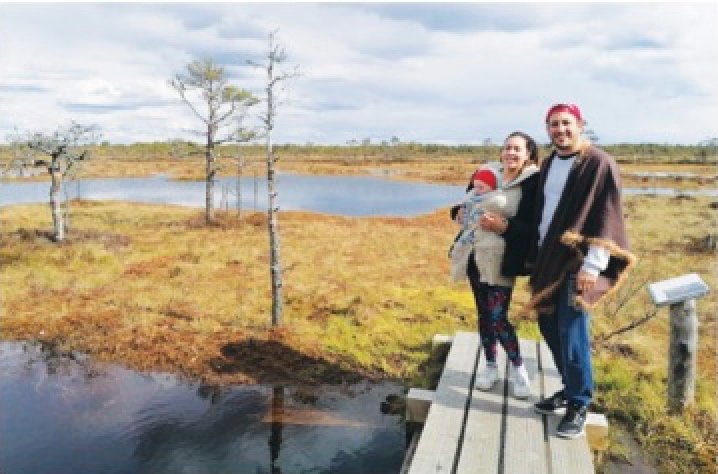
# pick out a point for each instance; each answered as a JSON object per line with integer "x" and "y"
{"x": 426, "y": 72}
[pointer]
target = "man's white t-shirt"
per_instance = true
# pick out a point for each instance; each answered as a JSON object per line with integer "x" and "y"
{"x": 597, "y": 258}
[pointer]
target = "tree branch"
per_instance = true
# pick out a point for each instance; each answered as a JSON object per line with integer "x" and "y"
{"x": 602, "y": 339}
{"x": 180, "y": 87}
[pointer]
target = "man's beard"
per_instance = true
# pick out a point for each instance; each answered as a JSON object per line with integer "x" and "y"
{"x": 567, "y": 147}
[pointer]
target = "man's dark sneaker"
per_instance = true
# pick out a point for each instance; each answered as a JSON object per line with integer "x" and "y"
{"x": 551, "y": 405}
{"x": 572, "y": 423}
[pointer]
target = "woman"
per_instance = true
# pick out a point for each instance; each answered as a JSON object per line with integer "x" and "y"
{"x": 492, "y": 288}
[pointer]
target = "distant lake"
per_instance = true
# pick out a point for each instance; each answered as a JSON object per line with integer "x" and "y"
{"x": 338, "y": 195}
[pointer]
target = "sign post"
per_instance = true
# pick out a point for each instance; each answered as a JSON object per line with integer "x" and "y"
{"x": 680, "y": 294}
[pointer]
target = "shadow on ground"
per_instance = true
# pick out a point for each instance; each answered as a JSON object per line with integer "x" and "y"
{"x": 270, "y": 362}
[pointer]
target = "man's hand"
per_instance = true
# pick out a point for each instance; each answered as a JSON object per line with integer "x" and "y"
{"x": 585, "y": 281}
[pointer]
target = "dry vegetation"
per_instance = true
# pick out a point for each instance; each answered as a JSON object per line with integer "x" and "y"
{"x": 154, "y": 288}
{"x": 668, "y": 235}
{"x": 444, "y": 169}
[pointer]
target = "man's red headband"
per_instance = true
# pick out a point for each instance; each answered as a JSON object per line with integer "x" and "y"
{"x": 570, "y": 108}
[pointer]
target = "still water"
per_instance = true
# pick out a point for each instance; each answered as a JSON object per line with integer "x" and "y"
{"x": 65, "y": 414}
{"x": 339, "y": 195}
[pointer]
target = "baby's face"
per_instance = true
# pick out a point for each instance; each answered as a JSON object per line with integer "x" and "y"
{"x": 481, "y": 187}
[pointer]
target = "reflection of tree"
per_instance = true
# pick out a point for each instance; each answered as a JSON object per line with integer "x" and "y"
{"x": 210, "y": 392}
{"x": 60, "y": 363}
{"x": 211, "y": 428}
{"x": 58, "y": 360}
{"x": 275, "y": 437}
{"x": 222, "y": 429}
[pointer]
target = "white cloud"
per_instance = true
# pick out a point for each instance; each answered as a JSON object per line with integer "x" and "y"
{"x": 455, "y": 73}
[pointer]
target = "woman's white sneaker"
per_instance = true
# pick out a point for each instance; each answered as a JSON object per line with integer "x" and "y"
{"x": 520, "y": 383}
{"x": 487, "y": 378}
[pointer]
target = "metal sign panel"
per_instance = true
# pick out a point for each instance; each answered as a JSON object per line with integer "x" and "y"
{"x": 676, "y": 290}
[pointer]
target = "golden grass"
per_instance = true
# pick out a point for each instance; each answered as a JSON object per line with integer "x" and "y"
{"x": 148, "y": 273}
{"x": 667, "y": 235}
{"x": 446, "y": 169}
{"x": 155, "y": 288}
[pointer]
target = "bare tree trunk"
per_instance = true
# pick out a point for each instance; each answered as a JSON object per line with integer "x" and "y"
{"x": 224, "y": 198}
{"x": 256, "y": 190}
{"x": 67, "y": 212}
{"x": 55, "y": 199}
{"x": 273, "y": 225}
{"x": 240, "y": 166}
{"x": 210, "y": 172}
{"x": 276, "y": 56}
{"x": 274, "y": 265}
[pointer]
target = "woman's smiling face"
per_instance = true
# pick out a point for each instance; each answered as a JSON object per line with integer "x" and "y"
{"x": 514, "y": 153}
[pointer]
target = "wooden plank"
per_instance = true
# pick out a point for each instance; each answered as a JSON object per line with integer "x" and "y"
{"x": 524, "y": 445}
{"x": 440, "y": 437}
{"x": 440, "y": 346}
{"x": 418, "y": 402}
{"x": 480, "y": 452}
{"x": 567, "y": 456}
{"x": 441, "y": 340}
{"x": 597, "y": 431}
{"x": 410, "y": 450}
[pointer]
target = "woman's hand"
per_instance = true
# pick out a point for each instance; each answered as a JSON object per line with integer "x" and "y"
{"x": 493, "y": 222}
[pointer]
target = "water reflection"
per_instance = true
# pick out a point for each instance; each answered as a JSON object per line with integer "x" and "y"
{"x": 275, "y": 439}
{"x": 61, "y": 413}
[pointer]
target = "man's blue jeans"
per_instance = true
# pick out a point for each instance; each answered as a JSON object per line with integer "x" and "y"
{"x": 567, "y": 334}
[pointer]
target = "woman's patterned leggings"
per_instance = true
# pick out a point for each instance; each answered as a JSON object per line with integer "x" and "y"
{"x": 492, "y": 304}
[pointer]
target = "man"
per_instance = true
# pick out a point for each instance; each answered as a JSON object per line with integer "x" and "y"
{"x": 579, "y": 254}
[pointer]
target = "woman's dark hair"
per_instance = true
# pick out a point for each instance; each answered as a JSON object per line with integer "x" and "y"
{"x": 531, "y": 146}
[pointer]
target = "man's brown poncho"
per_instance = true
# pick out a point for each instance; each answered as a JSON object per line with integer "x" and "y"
{"x": 588, "y": 213}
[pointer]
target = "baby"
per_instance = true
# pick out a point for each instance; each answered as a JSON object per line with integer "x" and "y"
{"x": 477, "y": 200}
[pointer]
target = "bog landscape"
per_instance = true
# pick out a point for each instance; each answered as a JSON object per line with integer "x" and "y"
{"x": 159, "y": 288}
{"x": 226, "y": 250}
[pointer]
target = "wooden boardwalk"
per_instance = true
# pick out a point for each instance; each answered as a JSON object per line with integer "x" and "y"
{"x": 470, "y": 431}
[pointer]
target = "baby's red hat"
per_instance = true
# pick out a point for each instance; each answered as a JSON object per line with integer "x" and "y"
{"x": 485, "y": 175}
